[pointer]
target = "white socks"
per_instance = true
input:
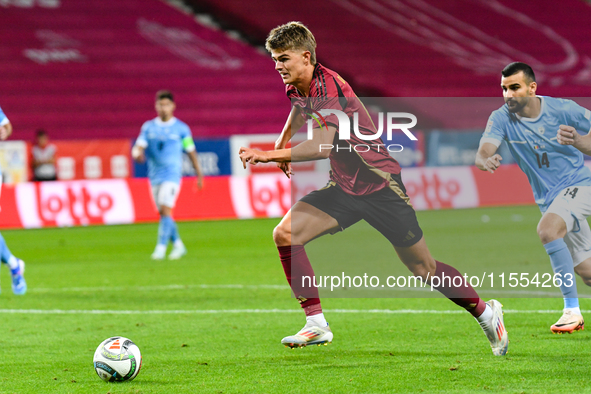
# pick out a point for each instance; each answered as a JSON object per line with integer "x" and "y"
{"x": 486, "y": 315}
{"x": 12, "y": 263}
{"x": 160, "y": 248}
{"x": 178, "y": 243}
{"x": 317, "y": 320}
{"x": 575, "y": 311}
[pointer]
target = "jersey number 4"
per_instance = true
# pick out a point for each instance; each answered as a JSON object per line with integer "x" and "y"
{"x": 543, "y": 160}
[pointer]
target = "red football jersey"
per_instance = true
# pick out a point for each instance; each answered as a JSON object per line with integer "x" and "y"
{"x": 356, "y": 172}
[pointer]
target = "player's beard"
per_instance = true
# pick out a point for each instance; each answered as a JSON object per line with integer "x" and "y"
{"x": 515, "y": 105}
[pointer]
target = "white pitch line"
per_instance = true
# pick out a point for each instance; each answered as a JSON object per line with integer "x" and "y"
{"x": 156, "y": 288}
{"x": 497, "y": 292}
{"x": 252, "y": 311}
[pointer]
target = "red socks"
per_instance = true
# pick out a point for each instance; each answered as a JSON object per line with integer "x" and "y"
{"x": 463, "y": 295}
{"x": 295, "y": 256}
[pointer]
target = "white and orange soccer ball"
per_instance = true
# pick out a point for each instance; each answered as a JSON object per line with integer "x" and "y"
{"x": 117, "y": 359}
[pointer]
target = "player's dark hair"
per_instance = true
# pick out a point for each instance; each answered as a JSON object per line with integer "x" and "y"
{"x": 41, "y": 133}
{"x": 164, "y": 94}
{"x": 292, "y": 36}
{"x": 516, "y": 67}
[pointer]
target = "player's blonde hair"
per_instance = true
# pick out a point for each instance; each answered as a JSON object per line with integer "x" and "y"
{"x": 292, "y": 36}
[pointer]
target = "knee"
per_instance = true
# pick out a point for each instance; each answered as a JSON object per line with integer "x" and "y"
{"x": 165, "y": 211}
{"x": 282, "y": 235}
{"x": 547, "y": 234}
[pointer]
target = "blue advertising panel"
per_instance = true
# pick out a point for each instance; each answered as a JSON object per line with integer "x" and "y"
{"x": 407, "y": 152}
{"x": 214, "y": 158}
{"x": 457, "y": 148}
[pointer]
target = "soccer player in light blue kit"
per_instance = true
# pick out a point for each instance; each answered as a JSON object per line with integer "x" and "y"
{"x": 162, "y": 141}
{"x": 17, "y": 266}
{"x": 543, "y": 136}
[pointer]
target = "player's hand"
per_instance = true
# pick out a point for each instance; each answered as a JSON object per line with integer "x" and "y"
{"x": 199, "y": 182}
{"x": 286, "y": 168}
{"x": 140, "y": 158}
{"x": 567, "y": 135}
{"x": 252, "y": 156}
{"x": 4, "y": 133}
{"x": 492, "y": 163}
{"x": 138, "y": 154}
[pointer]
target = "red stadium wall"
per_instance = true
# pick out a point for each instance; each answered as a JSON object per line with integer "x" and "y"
{"x": 87, "y": 69}
{"x": 119, "y": 201}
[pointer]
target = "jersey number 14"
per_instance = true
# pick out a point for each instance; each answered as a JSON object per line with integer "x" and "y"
{"x": 543, "y": 160}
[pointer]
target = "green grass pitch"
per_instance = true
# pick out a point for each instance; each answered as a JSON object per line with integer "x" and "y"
{"x": 196, "y": 337}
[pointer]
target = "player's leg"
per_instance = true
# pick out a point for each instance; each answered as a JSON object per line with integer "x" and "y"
{"x": 167, "y": 196}
{"x": 299, "y": 226}
{"x": 584, "y": 271}
{"x": 16, "y": 266}
{"x": 579, "y": 246}
{"x": 308, "y": 219}
{"x": 390, "y": 213}
{"x": 443, "y": 277}
{"x": 563, "y": 219}
{"x": 579, "y": 239}
{"x": 578, "y": 242}
{"x": 163, "y": 231}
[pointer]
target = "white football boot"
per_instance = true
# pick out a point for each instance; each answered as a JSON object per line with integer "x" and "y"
{"x": 568, "y": 322}
{"x": 495, "y": 329}
{"x": 159, "y": 253}
{"x": 311, "y": 334}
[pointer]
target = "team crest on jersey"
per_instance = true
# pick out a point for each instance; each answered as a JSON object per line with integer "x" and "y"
{"x": 541, "y": 130}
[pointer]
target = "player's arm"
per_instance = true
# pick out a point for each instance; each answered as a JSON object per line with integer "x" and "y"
{"x": 189, "y": 147}
{"x": 5, "y": 131}
{"x": 317, "y": 148}
{"x": 487, "y": 159}
{"x": 568, "y": 135}
{"x": 138, "y": 152}
{"x": 292, "y": 125}
{"x": 195, "y": 160}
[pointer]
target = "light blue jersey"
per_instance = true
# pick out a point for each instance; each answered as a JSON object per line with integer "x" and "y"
{"x": 164, "y": 143}
{"x": 3, "y": 119}
{"x": 549, "y": 166}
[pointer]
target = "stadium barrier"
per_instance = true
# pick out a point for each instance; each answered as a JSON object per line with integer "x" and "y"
{"x": 119, "y": 201}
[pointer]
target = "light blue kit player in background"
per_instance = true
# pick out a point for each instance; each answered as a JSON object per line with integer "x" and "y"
{"x": 547, "y": 137}
{"x": 162, "y": 141}
{"x": 17, "y": 266}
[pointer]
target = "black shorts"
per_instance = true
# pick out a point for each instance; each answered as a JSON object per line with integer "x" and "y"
{"x": 388, "y": 210}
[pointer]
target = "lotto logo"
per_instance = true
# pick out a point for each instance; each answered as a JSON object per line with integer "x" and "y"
{"x": 271, "y": 195}
{"x": 266, "y": 195}
{"x": 74, "y": 203}
{"x": 442, "y": 187}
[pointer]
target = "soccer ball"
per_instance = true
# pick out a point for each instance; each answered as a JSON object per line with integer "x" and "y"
{"x": 117, "y": 359}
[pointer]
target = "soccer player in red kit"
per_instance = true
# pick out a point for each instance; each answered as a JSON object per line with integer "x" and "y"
{"x": 363, "y": 185}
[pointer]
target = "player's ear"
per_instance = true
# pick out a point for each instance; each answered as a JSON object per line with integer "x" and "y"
{"x": 532, "y": 88}
{"x": 307, "y": 56}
